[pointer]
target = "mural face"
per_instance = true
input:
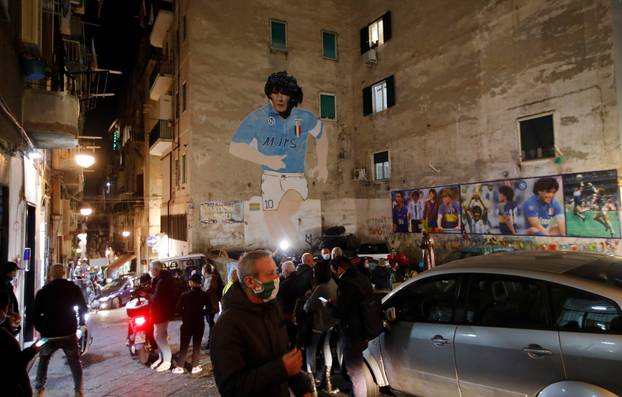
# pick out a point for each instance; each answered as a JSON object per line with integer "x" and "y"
{"x": 591, "y": 204}
{"x": 275, "y": 136}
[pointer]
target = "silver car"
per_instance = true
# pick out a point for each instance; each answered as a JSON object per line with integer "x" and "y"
{"x": 511, "y": 324}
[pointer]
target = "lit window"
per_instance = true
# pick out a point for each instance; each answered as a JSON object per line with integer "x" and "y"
{"x": 381, "y": 165}
{"x": 376, "y": 34}
{"x": 278, "y": 32}
{"x": 537, "y": 138}
{"x": 329, "y": 45}
{"x": 379, "y": 96}
{"x": 327, "y": 107}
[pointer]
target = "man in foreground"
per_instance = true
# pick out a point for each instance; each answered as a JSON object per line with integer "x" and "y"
{"x": 249, "y": 347}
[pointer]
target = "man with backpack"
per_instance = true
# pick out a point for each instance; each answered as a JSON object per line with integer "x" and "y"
{"x": 359, "y": 314}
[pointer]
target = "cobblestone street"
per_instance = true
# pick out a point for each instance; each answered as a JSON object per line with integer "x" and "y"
{"x": 109, "y": 370}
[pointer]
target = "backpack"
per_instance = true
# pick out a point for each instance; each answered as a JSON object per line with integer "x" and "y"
{"x": 371, "y": 311}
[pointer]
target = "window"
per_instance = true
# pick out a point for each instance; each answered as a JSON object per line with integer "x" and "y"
{"x": 184, "y": 97}
{"x": 183, "y": 169}
{"x": 278, "y": 33}
{"x": 381, "y": 165}
{"x": 575, "y": 310}
{"x": 176, "y": 176}
{"x": 176, "y": 105}
{"x": 379, "y": 96}
{"x": 505, "y": 301}
{"x": 329, "y": 45}
{"x": 430, "y": 300}
{"x": 537, "y": 139}
{"x": 376, "y": 33}
{"x": 327, "y": 107}
{"x": 175, "y": 226}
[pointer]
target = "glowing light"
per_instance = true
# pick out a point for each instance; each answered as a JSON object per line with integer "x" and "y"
{"x": 86, "y": 211}
{"x": 140, "y": 321}
{"x": 85, "y": 160}
{"x": 125, "y": 233}
{"x": 284, "y": 245}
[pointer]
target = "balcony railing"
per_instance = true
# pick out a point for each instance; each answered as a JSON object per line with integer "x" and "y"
{"x": 161, "y": 138}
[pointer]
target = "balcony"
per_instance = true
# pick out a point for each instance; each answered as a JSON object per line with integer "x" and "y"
{"x": 161, "y": 138}
{"x": 163, "y": 22}
{"x": 51, "y": 118}
{"x": 161, "y": 79}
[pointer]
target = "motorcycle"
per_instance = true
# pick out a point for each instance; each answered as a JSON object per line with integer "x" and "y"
{"x": 82, "y": 333}
{"x": 140, "y": 329}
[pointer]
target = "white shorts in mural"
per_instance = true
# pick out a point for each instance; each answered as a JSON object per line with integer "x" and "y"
{"x": 274, "y": 185}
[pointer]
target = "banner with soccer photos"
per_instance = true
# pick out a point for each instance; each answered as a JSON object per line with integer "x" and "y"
{"x": 433, "y": 209}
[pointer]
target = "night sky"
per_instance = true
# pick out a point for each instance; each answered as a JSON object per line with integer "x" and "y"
{"x": 116, "y": 43}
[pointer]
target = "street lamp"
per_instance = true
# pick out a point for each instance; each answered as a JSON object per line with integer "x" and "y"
{"x": 85, "y": 160}
{"x": 125, "y": 233}
{"x": 86, "y": 211}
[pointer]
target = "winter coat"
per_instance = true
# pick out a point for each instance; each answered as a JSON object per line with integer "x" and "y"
{"x": 381, "y": 277}
{"x": 13, "y": 375}
{"x": 162, "y": 300}
{"x": 323, "y": 319}
{"x": 7, "y": 287}
{"x": 248, "y": 344}
{"x": 193, "y": 306}
{"x": 53, "y": 313}
{"x": 288, "y": 294}
{"x": 353, "y": 287}
{"x": 214, "y": 287}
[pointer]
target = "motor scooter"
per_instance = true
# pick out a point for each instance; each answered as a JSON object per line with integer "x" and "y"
{"x": 140, "y": 329}
{"x": 82, "y": 333}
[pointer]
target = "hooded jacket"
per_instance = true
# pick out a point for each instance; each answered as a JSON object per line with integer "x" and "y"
{"x": 247, "y": 347}
{"x": 162, "y": 300}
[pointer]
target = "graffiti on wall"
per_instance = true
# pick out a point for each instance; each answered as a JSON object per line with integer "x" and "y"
{"x": 275, "y": 137}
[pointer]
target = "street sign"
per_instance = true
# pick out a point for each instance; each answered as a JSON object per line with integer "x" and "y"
{"x": 152, "y": 241}
{"x": 26, "y": 259}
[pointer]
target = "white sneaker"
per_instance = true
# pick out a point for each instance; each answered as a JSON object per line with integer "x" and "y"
{"x": 165, "y": 366}
{"x": 156, "y": 364}
{"x": 197, "y": 369}
{"x": 178, "y": 370}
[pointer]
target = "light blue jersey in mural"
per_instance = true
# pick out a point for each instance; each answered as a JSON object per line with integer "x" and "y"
{"x": 533, "y": 207}
{"x": 277, "y": 137}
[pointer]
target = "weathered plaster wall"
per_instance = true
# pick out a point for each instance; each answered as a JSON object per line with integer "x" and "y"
{"x": 226, "y": 80}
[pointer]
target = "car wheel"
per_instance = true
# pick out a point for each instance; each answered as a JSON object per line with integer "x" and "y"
{"x": 372, "y": 388}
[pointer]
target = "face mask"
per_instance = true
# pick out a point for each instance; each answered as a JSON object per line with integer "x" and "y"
{"x": 267, "y": 291}
{"x": 326, "y": 257}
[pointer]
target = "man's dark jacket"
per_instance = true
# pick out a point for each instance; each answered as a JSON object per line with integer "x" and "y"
{"x": 305, "y": 277}
{"x": 193, "y": 306}
{"x": 247, "y": 348}
{"x": 162, "y": 300}
{"x": 352, "y": 288}
{"x": 7, "y": 287}
{"x": 13, "y": 375}
{"x": 53, "y": 311}
{"x": 381, "y": 277}
{"x": 288, "y": 293}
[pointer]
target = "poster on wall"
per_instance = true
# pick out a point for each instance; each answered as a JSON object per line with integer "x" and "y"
{"x": 434, "y": 209}
{"x": 220, "y": 212}
{"x": 528, "y": 206}
{"x": 591, "y": 202}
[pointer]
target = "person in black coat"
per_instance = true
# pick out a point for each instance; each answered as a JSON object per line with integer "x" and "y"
{"x": 161, "y": 306}
{"x": 8, "y": 271}
{"x": 352, "y": 288}
{"x": 381, "y": 276}
{"x": 13, "y": 374}
{"x": 249, "y": 352}
{"x": 193, "y": 306}
{"x": 54, "y": 315}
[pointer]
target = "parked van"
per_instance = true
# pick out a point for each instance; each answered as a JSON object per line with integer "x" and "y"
{"x": 182, "y": 266}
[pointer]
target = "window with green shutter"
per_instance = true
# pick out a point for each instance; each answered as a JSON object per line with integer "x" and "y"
{"x": 278, "y": 31}
{"x": 329, "y": 44}
{"x": 183, "y": 169}
{"x": 327, "y": 107}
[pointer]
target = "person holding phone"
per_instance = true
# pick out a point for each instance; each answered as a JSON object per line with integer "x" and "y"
{"x": 325, "y": 291}
{"x": 13, "y": 373}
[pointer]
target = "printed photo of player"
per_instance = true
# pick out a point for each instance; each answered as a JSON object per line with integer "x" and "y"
{"x": 275, "y": 137}
{"x": 544, "y": 215}
{"x": 591, "y": 204}
{"x": 400, "y": 213}
{"x": 448, "y": 217}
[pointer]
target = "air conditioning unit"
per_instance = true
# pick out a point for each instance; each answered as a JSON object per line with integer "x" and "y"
{"x": 370, "y": 57}
{"x": 360, "y": 174}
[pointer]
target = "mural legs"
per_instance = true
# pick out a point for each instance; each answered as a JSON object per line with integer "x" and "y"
{"x": 280, "y": 223}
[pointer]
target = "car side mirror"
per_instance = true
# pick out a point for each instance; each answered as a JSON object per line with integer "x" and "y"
{"x": 390, "y": 315}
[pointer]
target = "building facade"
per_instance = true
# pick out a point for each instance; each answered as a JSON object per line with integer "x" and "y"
{"x": 410, "y": 95}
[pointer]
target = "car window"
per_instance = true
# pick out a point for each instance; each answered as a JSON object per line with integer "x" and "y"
{"x": 505, "y": 301}
{"x": 430, "y": 300}
{"x": 576, "y": 310}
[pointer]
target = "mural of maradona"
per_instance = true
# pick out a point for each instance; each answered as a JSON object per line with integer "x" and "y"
{"x": 275, "y": 136}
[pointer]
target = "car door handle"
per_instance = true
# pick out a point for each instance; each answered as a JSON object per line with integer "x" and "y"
{"x": 536, "y": 351}
{"x": 438, "y": 340}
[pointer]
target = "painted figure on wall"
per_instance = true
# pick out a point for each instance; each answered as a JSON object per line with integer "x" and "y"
{"x": 544, "y": 215}
{"x": 275, "y": 136}
{"x": 400, "y": 214}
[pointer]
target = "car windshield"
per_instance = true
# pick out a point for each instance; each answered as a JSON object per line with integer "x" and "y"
{"x": 604, "y": 272}
{"x": 373, "y": 249}
{"x": 114, "y": 284}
